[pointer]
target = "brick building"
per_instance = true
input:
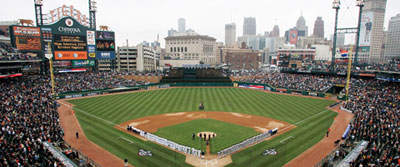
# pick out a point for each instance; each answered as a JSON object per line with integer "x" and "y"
{"x": 242, "y": 59}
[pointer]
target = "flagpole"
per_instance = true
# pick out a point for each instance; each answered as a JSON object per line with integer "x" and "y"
{"x": 349, "y": 72}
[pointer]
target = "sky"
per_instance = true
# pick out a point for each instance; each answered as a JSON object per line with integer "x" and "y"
{"x": 142, "y": 20}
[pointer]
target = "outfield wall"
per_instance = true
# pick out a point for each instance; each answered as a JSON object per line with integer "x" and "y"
{"x": 281, "y": 90}
{"x": 258, "y": 86}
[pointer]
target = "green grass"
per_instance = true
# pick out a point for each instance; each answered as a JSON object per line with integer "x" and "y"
{"x": 124, "y": 107}
{"x": 227, "y": 134}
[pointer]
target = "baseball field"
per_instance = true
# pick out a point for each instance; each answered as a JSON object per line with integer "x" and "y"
{"x": 226, "y": 111}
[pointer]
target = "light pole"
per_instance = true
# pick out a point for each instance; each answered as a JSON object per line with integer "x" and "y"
{"x": 360, "y": 3}
{"x": 336, "y": 6}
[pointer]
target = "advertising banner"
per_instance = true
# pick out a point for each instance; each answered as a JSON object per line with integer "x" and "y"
{"x": 69, "y": 43}
{"x": 293, "y": 36}
{"x": 105, "y": 55}
{"x": 72, "y": 70}
{"x": 366, "y": 28}
{"x": 27, "y": 31}
{"x": 281, "y": 90}
{"x": 105, "y": 35}
{"x": 91, "y": 52}
{"x": 105, "y": 45}
{"x": 62, "y": 63}
{"x": 83, "y": 63}
{"x": 70, "y": 55}
{"x": 28, "y": 43}
{"x": 256, "y": 87}
{"x": 90, "y": 38}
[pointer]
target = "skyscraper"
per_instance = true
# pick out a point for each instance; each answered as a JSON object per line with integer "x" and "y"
{"x": 171, "y": 32}
{"x": 230, "y": 34}
{"x": 392, "y": 46}
{"x": 301, "y": 26}
{"x": 275, "y": 31}
{"x": 319, "y": 28}
{"x": 341, "y": 37}
{"x": 249, "y": 26}
{"x": 371, "y": 32}
{"x": 181, "y": 25}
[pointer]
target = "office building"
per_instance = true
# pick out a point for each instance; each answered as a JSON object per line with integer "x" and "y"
{"x": 301, "y": 26}
{"x": 392, "y": 45}
{"x": 319, "y": 28}
{"x": 199, "y": 48}
{"x": 181, "y": 25}
{"x": 230, "y": 34}
{"x": 275, "y": 31}
{"x": 371, "y": 32}
{"x": 249, "y": 26}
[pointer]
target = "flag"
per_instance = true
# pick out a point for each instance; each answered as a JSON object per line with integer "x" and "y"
{"x": 344, "y": 53}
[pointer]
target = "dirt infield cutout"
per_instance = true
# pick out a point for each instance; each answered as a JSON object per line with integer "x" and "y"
{"x": 154, "y": 122}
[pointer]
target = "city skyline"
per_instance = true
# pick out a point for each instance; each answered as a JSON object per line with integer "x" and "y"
{"x": 149, "y": 18}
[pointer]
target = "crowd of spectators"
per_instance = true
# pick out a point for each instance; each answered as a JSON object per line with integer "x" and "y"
{"x": 8, "y": 53}
{"x": 393, "y": 65}
{"x": 6, "y": 48}
{"x": 376, "y": 108}
{"x": 303, "y": 82}
{"x": 28, "y": 117}
{"x": 91, "y": 81}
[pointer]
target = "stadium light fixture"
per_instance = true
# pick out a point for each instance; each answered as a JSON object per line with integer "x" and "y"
{"x": 39, "y": 2}
{"x": 336, "y": 4}
{"x": 360, "y": 3}
{"x": 93, "y": 6}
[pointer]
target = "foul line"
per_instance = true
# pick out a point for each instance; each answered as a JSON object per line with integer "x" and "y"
{"x": 282, "y": 141}
{"x": 303, "y": 120}
{"x": 77, "y": 109}
{"x": 130, "y": 142}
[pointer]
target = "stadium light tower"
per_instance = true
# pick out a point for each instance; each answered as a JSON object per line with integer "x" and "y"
{"x": 360, "y": 3}
{"x": 336, "y": 6}
{"x": 38, "y": 12}
{"x": 92, "y": 13}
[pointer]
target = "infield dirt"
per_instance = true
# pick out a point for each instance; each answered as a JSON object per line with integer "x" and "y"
{"x": 153, "y": 123}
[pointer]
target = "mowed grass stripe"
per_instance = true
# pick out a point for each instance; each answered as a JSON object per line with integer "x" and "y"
{"x": 310, "y": 130}
{"x": 127, "y": 150}
{"x": 124, "y": 107}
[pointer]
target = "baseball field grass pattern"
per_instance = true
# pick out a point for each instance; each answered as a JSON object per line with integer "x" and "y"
{"x": 125, "y": 107}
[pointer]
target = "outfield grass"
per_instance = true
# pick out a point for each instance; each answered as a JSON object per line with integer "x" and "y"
{"x": 117, "y": 109}
{"x": 228, "y": 134}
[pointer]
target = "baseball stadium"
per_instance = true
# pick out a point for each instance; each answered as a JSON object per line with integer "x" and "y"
{"x": 65, "y": 101}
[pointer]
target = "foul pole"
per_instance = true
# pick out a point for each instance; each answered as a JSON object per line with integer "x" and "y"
{"x": 349, "y": 72}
